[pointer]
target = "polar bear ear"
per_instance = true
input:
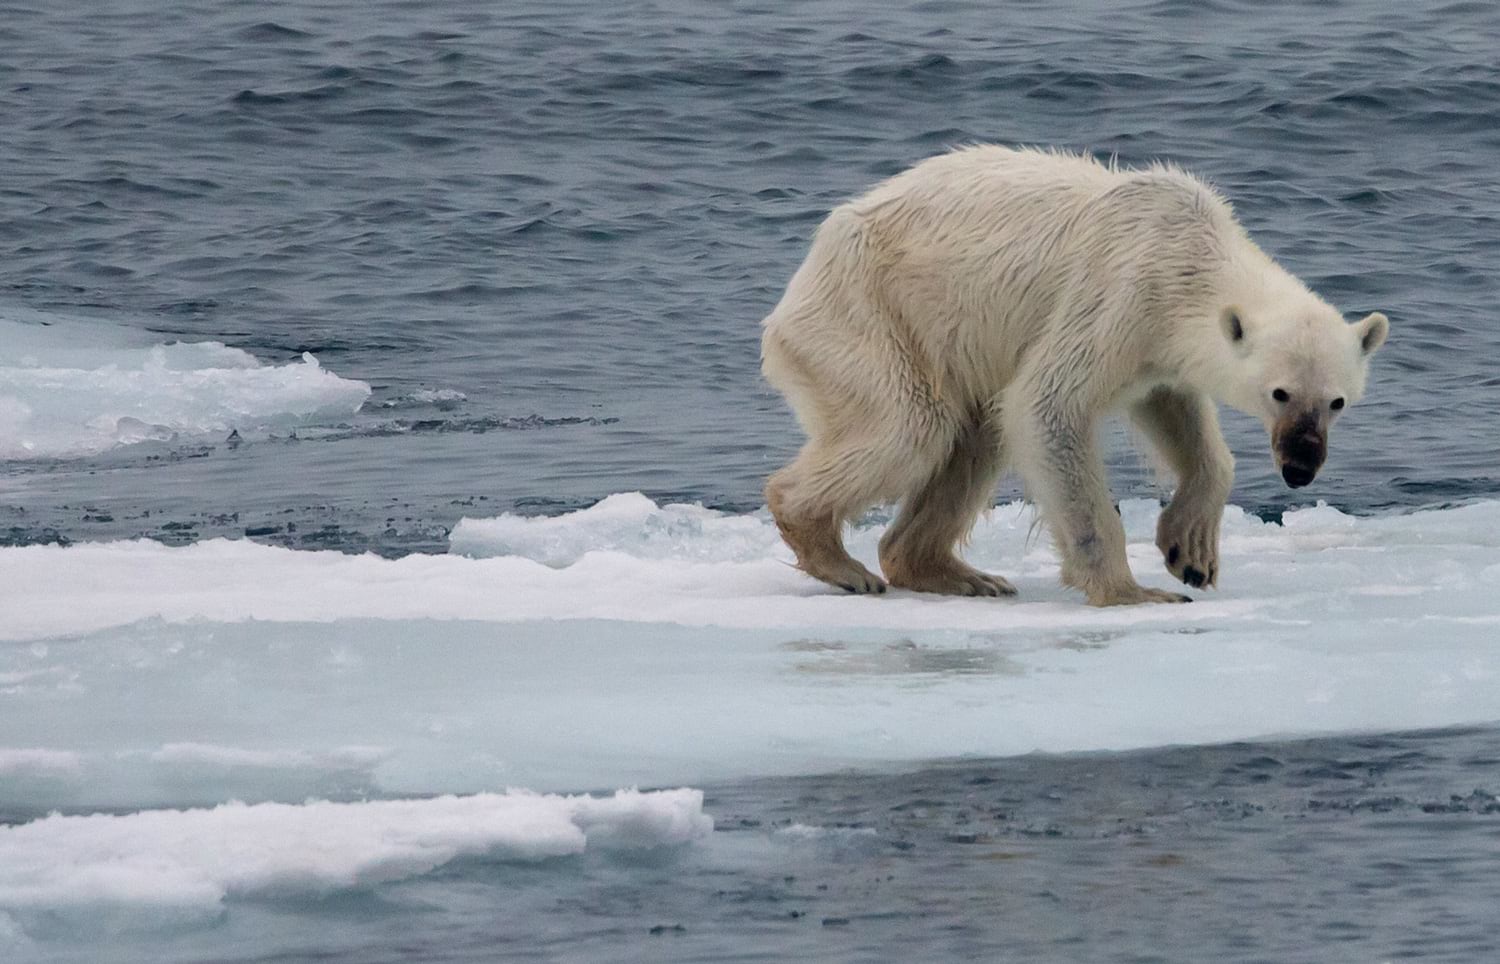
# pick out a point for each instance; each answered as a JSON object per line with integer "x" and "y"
{"x": 1233, "y": 324}
{"x": 1371, "y": 330}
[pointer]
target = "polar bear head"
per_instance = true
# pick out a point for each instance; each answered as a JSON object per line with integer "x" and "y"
{"x": 1297, "y": 365}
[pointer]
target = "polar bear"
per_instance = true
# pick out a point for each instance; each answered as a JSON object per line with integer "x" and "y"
{"x": 985, "y": 309}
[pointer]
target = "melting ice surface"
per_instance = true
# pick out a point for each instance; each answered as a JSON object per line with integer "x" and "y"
{"x": 71, "y": 388}
{"x": 632, "y": 644}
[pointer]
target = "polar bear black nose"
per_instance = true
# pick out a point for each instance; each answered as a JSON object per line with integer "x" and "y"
{"x": 1301, "y": 445}
{"x": 1297, "y": 476}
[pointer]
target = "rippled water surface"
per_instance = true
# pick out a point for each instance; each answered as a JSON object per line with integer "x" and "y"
{"x": 544, "y": 234}
{"x": 1347, "y": 850}
{"x": 576, "y": 214}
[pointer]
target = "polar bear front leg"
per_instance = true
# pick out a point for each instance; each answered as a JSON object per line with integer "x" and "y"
{"x": 1059, "y": 459}
{"x": 1184, "y": 427}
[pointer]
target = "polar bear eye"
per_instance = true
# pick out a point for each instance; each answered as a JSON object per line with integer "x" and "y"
{"x": 1280, "y": 395}
{"x": 1336, "y": 404}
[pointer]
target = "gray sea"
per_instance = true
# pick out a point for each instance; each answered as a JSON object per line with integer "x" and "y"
{"x": 544, "y": 233}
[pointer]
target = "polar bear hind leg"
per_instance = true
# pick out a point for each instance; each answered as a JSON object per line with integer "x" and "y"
{"x": 830, "y": 482}
{"x": 917, "y": 552}
{"x": 859, "y": 452}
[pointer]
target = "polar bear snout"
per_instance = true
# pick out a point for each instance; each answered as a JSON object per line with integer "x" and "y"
{"x": 1300, "y": 444}
{"x": 1296, "y": 476}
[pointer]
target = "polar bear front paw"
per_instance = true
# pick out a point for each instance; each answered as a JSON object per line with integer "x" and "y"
{"x": 1189, "y": 542}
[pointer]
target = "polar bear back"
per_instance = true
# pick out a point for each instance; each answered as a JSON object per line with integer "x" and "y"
{"x": 957, "y": 268}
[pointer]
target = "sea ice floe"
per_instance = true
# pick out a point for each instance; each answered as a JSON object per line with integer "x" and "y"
{"x": 627, "y": 559}
{"x": 652, "y": 645}
{"x": 212, "y": 755}
{"x": 627, "y": 522}
{"x": 20, "y": 761}
{"x": 71, "y": 388}
{"x": 181, "y": 864}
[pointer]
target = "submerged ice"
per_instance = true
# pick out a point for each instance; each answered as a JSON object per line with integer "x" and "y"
{"x": 636, "y": 644}
{"x": 70, "y": 388}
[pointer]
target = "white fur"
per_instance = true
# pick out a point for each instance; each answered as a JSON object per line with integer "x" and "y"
{"x": 987, "y": 307}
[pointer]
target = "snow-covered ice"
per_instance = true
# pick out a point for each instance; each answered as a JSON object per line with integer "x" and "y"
{"x": 74, "y": 388}
{"x": 181, "y": 864}
{"x": 686, "y": 647}
{"x": 627, "y": 523}
{"x": 632, "y": 644}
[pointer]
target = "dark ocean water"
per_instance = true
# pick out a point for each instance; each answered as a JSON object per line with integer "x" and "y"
{"x": 1336, "y": 850}
{"x": 577, "y": 213}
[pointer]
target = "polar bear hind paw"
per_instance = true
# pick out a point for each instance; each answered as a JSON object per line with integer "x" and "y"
{"x": 956, "y": 579}
{"x": 1134, "y": 595}
{"x": 852, "y": 578}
